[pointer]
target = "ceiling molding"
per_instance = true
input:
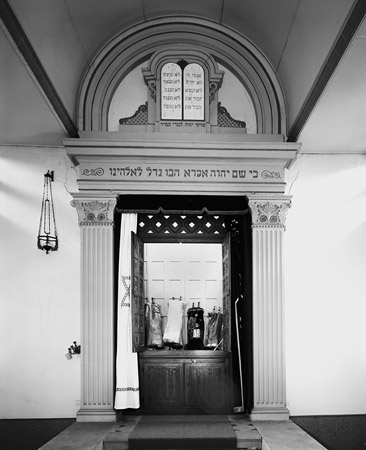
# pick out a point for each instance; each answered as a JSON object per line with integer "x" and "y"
{"x": 25, "y": 48}
{"x": 350, "y": 27}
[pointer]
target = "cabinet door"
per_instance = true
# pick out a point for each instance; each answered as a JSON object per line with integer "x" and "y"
{"x": 206, "y": 385}
{"x": 162, "y": 384}
{"x": 226, "y": 255}
{"x": 137, "y": 293}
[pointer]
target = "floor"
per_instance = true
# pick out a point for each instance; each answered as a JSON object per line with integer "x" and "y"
{"x": 30, "y": 434}
{"x": 107, "y": 436}
{"x": 340, "y": 432}
{"x": 347, "y": 432}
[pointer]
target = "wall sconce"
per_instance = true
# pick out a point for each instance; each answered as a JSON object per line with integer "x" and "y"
{"x": 47, "y": 239}
{"x": 73, "y": 350}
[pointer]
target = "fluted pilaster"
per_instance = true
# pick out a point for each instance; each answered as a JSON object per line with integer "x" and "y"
{"x": 268, "y": 222}
{"x": 97, "y": 304}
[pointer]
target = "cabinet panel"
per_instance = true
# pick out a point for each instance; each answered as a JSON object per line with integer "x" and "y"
{"x": 162, "y": 384}
{"x": 205, "y": 384}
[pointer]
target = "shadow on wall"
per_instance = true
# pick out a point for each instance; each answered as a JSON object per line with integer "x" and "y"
{"x": 335, "y": 432}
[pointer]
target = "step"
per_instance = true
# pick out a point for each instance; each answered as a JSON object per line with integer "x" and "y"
{"x": 247, "y": 436}
{"x": 246, "y": 433}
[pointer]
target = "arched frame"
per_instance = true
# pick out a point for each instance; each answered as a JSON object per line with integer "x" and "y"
{"x": 212, "y": 76}
{"x": 137, "y": 44}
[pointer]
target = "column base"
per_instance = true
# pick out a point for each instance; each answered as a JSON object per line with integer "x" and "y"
{"x": 273, "y": 414}
{"x": 96, "y": 415}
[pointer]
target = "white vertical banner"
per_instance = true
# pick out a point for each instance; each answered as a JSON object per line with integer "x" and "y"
{"x": 127, "y": 380}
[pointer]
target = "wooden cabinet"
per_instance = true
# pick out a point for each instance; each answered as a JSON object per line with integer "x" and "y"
{"x": 185, "y": 381}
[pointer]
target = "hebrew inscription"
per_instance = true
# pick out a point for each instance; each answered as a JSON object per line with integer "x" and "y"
{"x": 193, "y": 92}
{"x": 171, "y": 92}
{"x": 151, "y": 172}
{"x": 182, "y": 92}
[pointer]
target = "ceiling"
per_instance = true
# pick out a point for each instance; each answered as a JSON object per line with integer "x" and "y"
{"x": 316, "y": 47}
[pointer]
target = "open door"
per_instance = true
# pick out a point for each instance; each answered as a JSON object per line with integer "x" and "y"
{"x": 137, "y": 294}
{"x": 226, "y": 298}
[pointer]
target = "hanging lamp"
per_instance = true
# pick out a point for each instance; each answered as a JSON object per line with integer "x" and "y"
{"x": 47, "y": 239}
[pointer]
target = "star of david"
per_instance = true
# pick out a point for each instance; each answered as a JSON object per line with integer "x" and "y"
{"x": 127, "y": 288}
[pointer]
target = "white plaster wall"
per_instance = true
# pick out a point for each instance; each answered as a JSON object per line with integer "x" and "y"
{"x": 325, "y": 306}
{"x": 325, "y": 251}
{"x": 235, "y": 98}
{"x": 130, "y": 94}
{"x": 40, "y": 306}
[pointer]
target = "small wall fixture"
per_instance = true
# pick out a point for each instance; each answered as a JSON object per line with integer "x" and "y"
{"x": 73, "y": 350}
{"x": 47, "y": 239}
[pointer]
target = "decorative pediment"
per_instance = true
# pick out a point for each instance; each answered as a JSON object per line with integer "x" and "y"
{"x": 195, "y": 41}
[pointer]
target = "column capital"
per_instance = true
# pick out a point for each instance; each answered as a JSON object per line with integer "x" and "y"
{"x": 94, "y": 208}
{"x": 269, "y": 211}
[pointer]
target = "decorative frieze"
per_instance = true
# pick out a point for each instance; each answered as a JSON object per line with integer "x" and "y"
{"x": 186, "y": 166}
{"x": 238, "y": 173}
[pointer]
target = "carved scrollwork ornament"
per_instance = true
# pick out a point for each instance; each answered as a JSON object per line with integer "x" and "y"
{"x": 94, "y": 212}
{"x": 98, "y": 172}
{"x": 214, "y": 87}
{"x": 151, "y": 84}
{"x": 269, "y": 213}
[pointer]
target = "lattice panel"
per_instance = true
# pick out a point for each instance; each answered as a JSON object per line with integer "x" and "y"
{"x": 139, "y": 118}
{"x": 181, "y": 227}
{"x": 224, "y": 119}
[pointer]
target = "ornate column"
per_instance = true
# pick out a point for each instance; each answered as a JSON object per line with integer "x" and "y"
{"x": 95, "y": 212}
{"x": 268, "y": 222}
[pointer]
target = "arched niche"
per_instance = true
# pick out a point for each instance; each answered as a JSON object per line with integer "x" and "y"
{"x": 226, "y": 47}
{"x": 179, "y": 54}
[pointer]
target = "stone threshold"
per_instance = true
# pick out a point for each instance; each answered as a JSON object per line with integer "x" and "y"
{"x": 257, "y": 435}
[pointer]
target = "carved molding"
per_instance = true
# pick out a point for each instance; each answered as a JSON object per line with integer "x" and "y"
{"x": 95, "y": 211}
{"x": 270, "y": 212}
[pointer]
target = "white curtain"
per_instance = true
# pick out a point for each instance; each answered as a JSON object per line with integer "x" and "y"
{"x": 127, "y": 380}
